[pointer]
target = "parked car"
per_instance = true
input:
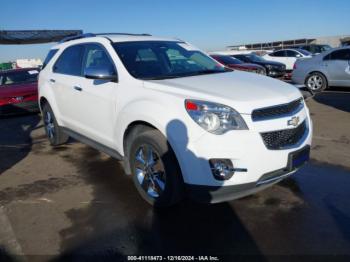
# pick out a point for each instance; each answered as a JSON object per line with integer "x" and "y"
{"x": 315, "y": 49}
{"x": 181, "y": 123}
{"x": 273, "y": 69}
{"x": 237, "y": 64}
{"x": 19, "y": 91}
{"x": 288, "y": 56}
{"x": 331, "y": 68}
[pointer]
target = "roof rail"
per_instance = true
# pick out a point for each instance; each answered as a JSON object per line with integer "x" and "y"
{"x": 69, "y": 38}
{"x": 66, "y": 39}
{"x": 123, "y": 34}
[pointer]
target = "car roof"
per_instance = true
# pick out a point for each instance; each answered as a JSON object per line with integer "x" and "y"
{"x": 288, "y": 49}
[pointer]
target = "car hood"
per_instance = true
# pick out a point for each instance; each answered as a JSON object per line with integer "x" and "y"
{"x": 242, "y": 91}
{"x": 18, "y": 90}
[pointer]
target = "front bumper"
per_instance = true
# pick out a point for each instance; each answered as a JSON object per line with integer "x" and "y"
{"x": 215, "y": 194}
{"x": 248, "y": 154}
{"x": 19, "y": 108}
{"x": 275, "y": 73}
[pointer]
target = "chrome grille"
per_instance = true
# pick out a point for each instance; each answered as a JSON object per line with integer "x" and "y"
{"x": 278, "y": 111}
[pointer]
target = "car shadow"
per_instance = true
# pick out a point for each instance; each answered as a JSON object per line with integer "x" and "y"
{"x": 15, "y": 139}
{"x": 337, "y": 97}
{"x": 118, "y": 222}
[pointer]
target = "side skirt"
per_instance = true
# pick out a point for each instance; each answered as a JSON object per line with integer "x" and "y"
{"x": 98, "y": 146}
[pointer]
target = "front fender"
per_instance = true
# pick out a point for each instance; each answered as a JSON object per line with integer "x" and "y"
{"x": 155, "y": 114}
{"x": 176, "y": 126}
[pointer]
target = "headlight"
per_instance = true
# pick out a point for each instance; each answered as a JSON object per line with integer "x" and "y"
{"x": 214, "y": 118}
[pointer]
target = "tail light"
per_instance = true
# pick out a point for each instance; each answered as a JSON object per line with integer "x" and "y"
{"x": 4, "y": 101}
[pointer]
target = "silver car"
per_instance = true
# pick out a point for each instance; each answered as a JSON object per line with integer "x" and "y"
{"x": 331, "y": 68}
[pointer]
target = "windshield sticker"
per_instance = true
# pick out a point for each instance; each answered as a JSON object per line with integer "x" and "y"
{"x": 33, "y": 72}
{"x": 188, "y": 47}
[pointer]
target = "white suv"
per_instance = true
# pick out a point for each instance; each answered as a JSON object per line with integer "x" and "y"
{"x": 182, "y": 123}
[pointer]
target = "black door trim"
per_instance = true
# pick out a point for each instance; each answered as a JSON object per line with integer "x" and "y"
{"x": 109, "y": 151}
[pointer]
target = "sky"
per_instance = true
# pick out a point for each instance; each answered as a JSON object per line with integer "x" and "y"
{"x": 209, "y": 25}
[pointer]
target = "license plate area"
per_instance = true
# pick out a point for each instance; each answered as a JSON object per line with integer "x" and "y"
{"x": 298, "y": 158}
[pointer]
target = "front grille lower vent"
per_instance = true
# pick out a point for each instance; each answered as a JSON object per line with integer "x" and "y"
{"x": 284, "y": 138}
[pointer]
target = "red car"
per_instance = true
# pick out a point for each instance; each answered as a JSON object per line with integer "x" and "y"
{"x": 19, "y": 91}
{"x": 237, "y": 64}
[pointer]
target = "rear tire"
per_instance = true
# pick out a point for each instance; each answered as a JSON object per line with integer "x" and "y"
{"x": 316, "y": 82}
{"x": 53, "y": 131}
{"x": 155, "y": 170}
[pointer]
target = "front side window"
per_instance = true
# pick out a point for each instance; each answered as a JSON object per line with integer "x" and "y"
{"x": 19, "y": 77}
{"x": 165, "y": 59}
{"x": 70, "y": 61}
{"x": 96, "y": 57}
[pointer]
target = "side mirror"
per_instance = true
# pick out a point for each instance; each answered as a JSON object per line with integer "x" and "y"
{"x": 298, "y": 55}
{"x": 101, "y": 73}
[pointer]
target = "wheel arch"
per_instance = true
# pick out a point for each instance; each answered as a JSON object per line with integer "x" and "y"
{"x": 42, "y": 102}
{"x": 135, "y": 128}
{"x": 319, "y": 72}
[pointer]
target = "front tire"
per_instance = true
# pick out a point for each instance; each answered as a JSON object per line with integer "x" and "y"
{"x": 316, "y": 82}
{"x": 53, "y": 132}
{"x": 155, "y": 169}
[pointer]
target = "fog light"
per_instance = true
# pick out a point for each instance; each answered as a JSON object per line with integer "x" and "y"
{"x": 222, "y": 169}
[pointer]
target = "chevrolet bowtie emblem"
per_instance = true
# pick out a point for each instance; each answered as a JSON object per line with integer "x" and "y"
{"x": 294, "y": 121}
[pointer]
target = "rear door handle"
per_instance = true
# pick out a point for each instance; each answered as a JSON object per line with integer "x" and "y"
{"x": 78, "y": 88}
{"x": 52, "y": 80}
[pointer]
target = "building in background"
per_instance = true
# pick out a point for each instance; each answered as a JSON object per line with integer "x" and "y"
{"x": 28, "y": 63}
{"x": 333, "y": 41}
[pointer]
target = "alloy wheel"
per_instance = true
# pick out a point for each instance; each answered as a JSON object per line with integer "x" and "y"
{"x": 49, "y": 125}
{"x": 315, "y": 82}
{"x": 149, "y": 171}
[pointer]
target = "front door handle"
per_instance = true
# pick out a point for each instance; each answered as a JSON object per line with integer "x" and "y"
{"x": 52, "y": 80}
{"x": 78, "y": 88}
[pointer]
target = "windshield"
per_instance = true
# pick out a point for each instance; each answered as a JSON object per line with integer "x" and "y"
{"x": 165, "y": 59}
{"x": 227, "y": 60}
{"x": 304, "y": 52}
{"x": 19, "y": 77}
{"x": 323, "y": 48}
{"x": 255, "y": 58}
